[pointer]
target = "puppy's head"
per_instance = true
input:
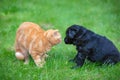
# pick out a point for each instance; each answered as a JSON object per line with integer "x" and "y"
{"x": 53, "y": 36}
{"x": 74, "y": 32}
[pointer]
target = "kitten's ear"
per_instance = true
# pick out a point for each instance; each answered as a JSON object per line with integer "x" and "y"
{"x": 57, "y": 30}
{"x": 46, "y": 34}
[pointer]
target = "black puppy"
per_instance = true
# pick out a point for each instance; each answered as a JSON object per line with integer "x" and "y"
{"x": 92, "y": 46}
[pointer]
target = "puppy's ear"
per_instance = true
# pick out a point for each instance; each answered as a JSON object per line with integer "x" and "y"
{"x": 83, "y": 32}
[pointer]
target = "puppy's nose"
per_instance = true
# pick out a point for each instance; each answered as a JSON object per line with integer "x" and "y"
{"x": 65, "y": 40}
{"x": 71, "y": 36}
{"x": 74, "y": 43}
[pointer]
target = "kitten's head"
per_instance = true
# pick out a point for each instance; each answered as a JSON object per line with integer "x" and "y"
{"x": 53, "y": 36}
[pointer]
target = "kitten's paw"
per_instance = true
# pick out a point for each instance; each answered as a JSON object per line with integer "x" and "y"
{"x": 26, "y": 62}
{"x": 19, "y": 56}
{"x": 46, "y": 55}
{"x": 39, "y": 65}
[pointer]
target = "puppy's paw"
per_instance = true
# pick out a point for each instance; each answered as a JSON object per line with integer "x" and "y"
{"x": 75, "y": 67}
{"x": 71, "y": 60}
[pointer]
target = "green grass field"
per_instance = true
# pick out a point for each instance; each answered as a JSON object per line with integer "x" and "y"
{"x": 100, "y": 16}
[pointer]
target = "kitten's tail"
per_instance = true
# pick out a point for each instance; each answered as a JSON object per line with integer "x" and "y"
{"x": 19, "y": 56}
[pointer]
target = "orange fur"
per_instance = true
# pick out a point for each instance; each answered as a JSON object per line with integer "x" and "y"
{"x": 31, "y": 39}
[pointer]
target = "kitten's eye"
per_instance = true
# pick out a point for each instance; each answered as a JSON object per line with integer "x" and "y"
{"x": 55, "y": 33}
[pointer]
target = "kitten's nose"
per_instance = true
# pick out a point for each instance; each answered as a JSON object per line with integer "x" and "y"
{"x": 60, "y": 40}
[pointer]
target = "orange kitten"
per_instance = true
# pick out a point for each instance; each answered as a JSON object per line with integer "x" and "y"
{"x": 31, "y": 39}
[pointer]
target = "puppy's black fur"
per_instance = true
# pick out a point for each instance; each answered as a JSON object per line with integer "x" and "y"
{"x": 92, "y": 46}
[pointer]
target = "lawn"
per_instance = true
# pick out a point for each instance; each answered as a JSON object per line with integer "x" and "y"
{"x": 100, "y": 16}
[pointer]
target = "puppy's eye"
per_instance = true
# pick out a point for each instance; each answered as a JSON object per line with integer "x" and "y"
{"x": 74, "y": 30}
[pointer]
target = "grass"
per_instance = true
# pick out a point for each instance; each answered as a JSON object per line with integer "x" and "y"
{"x": 100, "y": 16}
